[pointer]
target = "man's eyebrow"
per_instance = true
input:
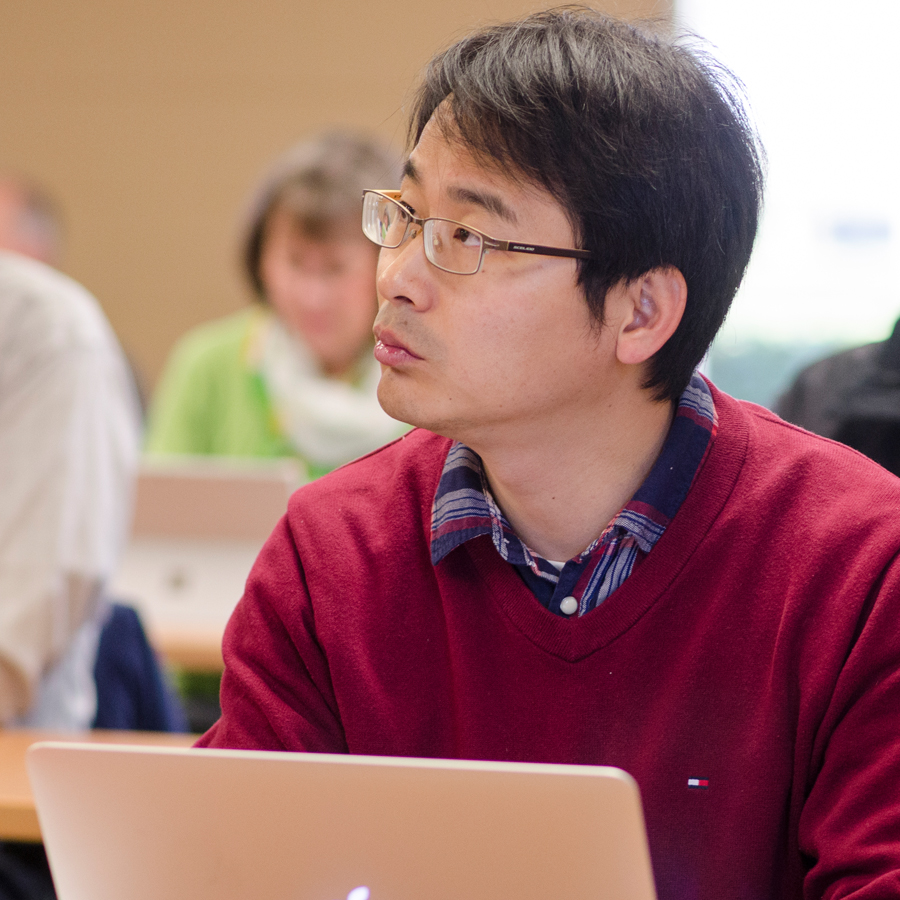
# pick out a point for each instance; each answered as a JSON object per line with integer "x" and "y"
{"x": 411, "y": 172}
{"x": 491, "y": 202}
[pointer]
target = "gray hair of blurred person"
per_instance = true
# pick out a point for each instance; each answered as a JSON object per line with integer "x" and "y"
{"x": 320, "y": 183}
{"x": 30, "y": 220}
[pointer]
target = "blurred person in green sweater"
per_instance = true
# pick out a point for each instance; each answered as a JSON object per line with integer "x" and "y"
{"x": 293, "y": 374}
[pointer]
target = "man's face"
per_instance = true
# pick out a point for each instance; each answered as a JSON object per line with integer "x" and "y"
{"x": 512, "y": 346}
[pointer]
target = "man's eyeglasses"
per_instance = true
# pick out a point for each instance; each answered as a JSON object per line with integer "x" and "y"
{"x": 449, "y": 245}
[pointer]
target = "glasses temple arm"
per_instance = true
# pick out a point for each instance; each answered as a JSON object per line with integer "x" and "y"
{"x": 537, "y": 249}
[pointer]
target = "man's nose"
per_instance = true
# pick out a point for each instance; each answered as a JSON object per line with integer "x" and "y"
{"x": 404, "y": 275}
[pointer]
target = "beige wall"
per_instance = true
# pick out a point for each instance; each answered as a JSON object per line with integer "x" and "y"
{"x": 150, "y": 121}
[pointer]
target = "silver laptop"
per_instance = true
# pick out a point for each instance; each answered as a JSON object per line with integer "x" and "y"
{"x": 129, "y": 823}
{"x": 199, "y": 524}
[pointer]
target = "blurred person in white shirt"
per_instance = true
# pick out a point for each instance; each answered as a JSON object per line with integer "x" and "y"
{"x": 69, "y": 442}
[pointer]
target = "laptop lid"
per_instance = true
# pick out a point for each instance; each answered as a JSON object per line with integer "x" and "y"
{"x": 199, "y": 523}
{"x": 129, "y": 823}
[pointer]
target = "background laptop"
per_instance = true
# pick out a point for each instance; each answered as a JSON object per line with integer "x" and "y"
{"x": 199, "y": 523}
{"x": 128, "y": 823}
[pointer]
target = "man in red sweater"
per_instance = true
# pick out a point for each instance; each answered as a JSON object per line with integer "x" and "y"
{"x": 585, "y": 553}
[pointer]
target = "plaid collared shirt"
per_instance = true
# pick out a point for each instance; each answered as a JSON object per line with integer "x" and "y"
{"x": 464, "y": 508}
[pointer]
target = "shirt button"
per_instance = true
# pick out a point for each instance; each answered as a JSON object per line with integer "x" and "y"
{"x": 569, "y": 606}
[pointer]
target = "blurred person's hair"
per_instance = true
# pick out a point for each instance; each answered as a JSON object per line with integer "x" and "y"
{"x": 319, "y": 183}
{"x": 30, "y": 220}
{"x": 643, "y": 141}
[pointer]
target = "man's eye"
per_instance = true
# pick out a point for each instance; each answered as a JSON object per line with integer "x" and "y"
{"x": 465, "y": 237}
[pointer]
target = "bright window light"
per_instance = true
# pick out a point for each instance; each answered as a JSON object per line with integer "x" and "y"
{"x": 823, "y": 81}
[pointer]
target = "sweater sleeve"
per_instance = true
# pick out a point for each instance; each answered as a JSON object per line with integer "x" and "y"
{"x": 276, "y": 691}
{"x": 850, "y": 825}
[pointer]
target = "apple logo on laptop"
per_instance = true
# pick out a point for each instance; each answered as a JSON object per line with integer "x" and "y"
{"x": 359, "y": 893}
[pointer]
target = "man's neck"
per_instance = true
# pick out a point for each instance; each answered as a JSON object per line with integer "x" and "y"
{"x": 560, "y": 487}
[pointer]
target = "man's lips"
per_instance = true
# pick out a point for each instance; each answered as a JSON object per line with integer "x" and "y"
{"x": 390, "y": 351}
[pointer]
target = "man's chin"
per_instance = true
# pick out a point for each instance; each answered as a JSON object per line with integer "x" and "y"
{"x": 395, "y": 400}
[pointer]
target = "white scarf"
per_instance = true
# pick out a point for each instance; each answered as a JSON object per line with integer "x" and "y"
{"x": 329, "y": 422}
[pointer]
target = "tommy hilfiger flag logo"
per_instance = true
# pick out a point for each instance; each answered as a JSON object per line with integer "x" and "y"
{"x": 698, "y": 783}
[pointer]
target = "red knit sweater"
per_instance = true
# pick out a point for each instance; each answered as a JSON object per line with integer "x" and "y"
{"x": 757, "y": 648}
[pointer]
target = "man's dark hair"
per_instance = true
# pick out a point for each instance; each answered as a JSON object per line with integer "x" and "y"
{"x": 644, "y": 142}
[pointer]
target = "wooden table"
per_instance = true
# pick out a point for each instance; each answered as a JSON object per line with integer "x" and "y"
{"x": 18, "y": 817}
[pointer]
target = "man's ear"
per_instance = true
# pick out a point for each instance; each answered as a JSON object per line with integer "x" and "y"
{"x": 652, "y": 307}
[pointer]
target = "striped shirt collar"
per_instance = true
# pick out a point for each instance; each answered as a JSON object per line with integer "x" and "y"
{"x": 464, "y": 508}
